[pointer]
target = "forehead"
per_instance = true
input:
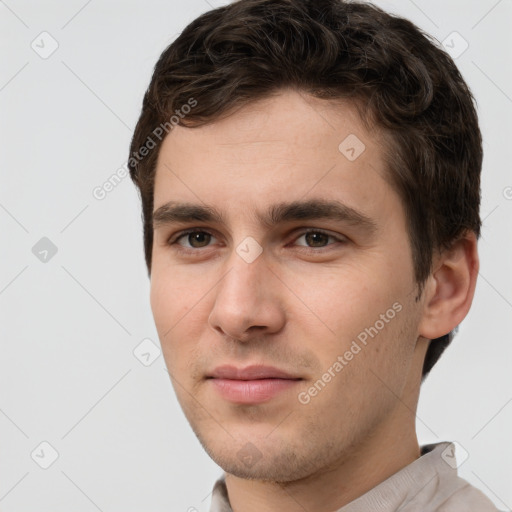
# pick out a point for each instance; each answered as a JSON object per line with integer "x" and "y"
{"x": 283, "y": 124}
{"x": 286, "y": 147}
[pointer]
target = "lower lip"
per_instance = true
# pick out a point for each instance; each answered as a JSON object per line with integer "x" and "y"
{"x": 251, "y": 391}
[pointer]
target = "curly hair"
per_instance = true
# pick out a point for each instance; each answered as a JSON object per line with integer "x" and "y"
{"x": 399, "y": 77}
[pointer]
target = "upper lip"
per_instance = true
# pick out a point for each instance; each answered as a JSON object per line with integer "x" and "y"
{"x": 249, "y": 373}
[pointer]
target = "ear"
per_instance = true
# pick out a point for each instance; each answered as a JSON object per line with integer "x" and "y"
{"x": 450, "y": 288}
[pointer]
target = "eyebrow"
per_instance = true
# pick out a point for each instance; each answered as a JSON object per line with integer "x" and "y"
{"x": 176, "y": 212}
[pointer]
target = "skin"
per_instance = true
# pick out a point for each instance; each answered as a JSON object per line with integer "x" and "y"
{"x": 297, "y": 310}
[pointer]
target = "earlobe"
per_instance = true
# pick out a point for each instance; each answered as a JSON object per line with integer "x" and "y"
{"x": 450, "y": 288}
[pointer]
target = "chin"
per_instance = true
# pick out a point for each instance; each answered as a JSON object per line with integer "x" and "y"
{"x": 264, "y": 460}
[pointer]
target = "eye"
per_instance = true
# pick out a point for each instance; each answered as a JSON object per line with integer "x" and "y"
{"x": 196, "y": 239}
{"x": 315, "y": 238}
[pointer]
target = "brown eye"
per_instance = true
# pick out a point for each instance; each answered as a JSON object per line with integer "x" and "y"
{"x": 316, "y": 239}
{"x": 199, "y": 239}
{"x": 193, "y": 239}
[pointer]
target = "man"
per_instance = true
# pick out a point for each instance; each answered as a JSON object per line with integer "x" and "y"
{"x": 310, "y": 182}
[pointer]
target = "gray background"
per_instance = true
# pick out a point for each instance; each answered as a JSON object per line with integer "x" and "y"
{"x": 70, "y": 324}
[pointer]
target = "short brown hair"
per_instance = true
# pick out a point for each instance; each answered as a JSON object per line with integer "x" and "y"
{"x": 332, "y": 49}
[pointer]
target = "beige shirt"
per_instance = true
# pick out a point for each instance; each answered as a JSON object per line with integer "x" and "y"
{"x": 429, "y": 484}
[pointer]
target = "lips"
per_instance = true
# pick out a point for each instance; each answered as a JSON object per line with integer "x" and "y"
{"x": 255, "y": 372}
{"x": 251, "y": 385}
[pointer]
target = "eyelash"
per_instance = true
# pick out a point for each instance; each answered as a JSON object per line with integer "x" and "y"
{"x": 173, "y": 241}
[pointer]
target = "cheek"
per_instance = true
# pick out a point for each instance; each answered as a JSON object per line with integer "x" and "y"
{"x": 180, "y": 313}
{"x": 162, "y": 302}
{"x": 341, "y": 301}
{"x": 366, "y": 367}
{"x": 171, "y": 303}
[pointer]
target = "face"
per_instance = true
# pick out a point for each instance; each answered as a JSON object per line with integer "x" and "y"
{"x": 282, "y": 286}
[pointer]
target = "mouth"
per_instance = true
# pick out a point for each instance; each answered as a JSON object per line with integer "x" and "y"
{"x": 251, "y": 385}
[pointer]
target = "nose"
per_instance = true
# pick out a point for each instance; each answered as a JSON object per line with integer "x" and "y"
{"x": 248, "y": 300}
